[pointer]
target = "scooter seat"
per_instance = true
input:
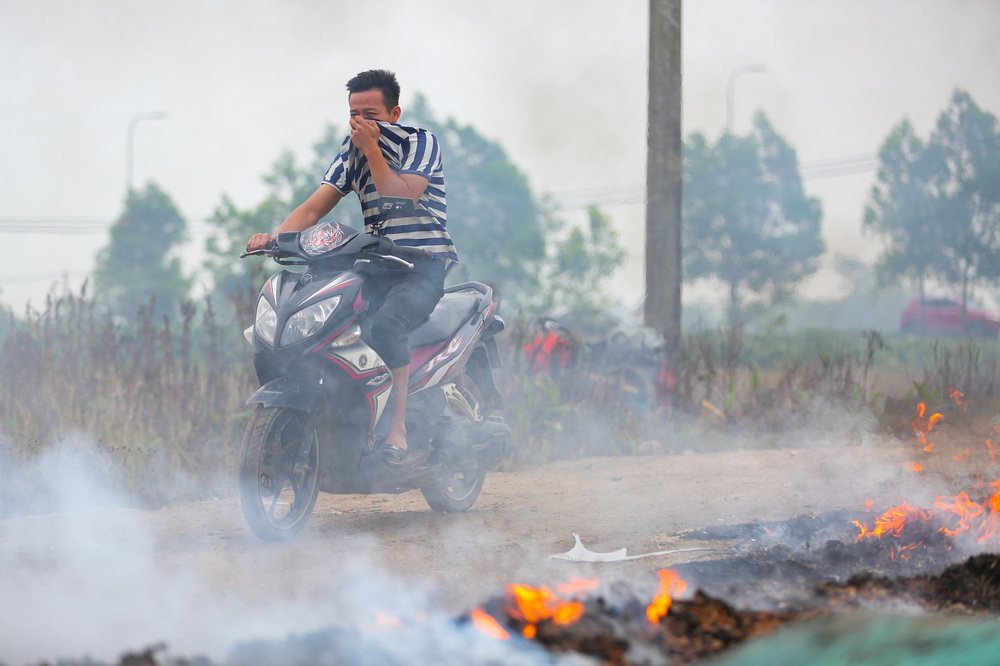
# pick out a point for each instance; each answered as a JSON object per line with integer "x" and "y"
{"x": 453, "y": 310}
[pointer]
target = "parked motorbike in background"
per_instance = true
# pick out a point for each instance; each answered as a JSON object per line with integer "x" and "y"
{"x": 596, "y": 356}
{"x": 322, "y": 410}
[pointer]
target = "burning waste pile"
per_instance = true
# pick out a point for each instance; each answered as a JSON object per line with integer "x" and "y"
{"x": 814, "y": 568}
{"x": 590, "y": 622}
{"x": 616, "y": 627}
{"x": 907, "y": 580}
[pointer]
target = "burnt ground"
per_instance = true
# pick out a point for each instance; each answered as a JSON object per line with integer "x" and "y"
{"x": 383, "y": 580}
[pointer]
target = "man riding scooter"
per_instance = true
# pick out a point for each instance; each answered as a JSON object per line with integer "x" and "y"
{"x": 382, "y": 158}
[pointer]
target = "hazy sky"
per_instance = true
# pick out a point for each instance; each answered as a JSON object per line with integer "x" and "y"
{"x": 560, "y": 84}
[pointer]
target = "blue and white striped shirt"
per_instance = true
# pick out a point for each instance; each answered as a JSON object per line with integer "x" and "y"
{"x": 406, "y": 150}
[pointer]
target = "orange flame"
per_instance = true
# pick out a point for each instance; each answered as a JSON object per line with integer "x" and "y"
{"x": 534, "y": 605}
{"x": 892, "y": 521}
{"x": 958, "y": 396}
{"x": 952, "y": 516}
{"x": 671, "y": 585}
{"x": 488, "y": 624}
{"x": 577, "y": 585}
{"x": 963, "y": 508}
{"x": 957, "y": 515}
{"x": 989, "y": 527}
{"x": 994, "y": 500}
{"x": 923, "y": 427}
{"x": 902, "y": 550}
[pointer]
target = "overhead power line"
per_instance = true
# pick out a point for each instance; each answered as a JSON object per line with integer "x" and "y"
{"x": 564, "y": 201}
{"x": 636, "y": 194}
{"x": 75, "y": 226}
{"x": 842, "y": 166}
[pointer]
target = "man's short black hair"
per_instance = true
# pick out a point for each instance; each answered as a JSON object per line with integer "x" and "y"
{"x": 382, "y": 79}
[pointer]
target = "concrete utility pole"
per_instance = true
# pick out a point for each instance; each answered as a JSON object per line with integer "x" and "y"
{"x": 663, "y": 174}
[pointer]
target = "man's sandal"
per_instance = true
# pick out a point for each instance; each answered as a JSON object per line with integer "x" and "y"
{"x": 397, "y": 457}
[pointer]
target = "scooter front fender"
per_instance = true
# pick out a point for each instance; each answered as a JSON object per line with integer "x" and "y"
{"x": 292, "y": 392}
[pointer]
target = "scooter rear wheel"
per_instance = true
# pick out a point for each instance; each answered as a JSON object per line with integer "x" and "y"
{"x": 455, "y": 490}
{"x": 279, "y": 472}
{"x": 456, "y": 487}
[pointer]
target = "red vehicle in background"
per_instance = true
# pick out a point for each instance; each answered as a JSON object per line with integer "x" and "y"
{"x": 943, "y": 316}
{"x": 599, "y": 357}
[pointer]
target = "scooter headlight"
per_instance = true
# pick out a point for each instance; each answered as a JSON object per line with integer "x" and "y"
{"x": 308, "y": 321}
{"x": 266, "y": 321}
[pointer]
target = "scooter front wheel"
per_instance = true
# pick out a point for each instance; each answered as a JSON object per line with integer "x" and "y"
{"x": 279, "y": 472}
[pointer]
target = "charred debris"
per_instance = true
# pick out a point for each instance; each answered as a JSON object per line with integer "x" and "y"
{"x": 812, "y": 573}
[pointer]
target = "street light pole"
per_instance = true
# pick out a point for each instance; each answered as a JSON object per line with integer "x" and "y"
{"x": 731, "y": 86}
{"x": 136, "y": 119}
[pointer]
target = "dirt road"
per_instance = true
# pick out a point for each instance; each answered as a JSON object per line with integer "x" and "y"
{"x": 98, "y": 582}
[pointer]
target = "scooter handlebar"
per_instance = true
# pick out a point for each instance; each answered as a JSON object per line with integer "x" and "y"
{"x": 266, "y": 251}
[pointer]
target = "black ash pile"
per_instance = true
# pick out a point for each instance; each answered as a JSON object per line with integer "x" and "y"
{"x": 778, "y": 576}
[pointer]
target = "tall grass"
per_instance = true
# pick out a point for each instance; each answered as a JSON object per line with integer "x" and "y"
{"x": 156, "y": 405}
{"x": 971, "y": 366}
{"x": 771, "y": 380}
{"x": 154, "y": 408}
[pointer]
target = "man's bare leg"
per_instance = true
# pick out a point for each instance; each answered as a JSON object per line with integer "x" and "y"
{"x": 397, "y": 425}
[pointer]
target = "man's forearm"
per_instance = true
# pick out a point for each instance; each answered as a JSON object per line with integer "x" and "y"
{"x": 311, "y": 210}
{"x": 301, "y": 218}
{"x": 388, "y": 182}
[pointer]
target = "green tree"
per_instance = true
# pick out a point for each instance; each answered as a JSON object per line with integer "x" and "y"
{"x": 901, "y": 210}
{"x": 236, "y": 282}
{"x": 964, "y": 151}
{"x": 136, "y": 265}
{"x": 747, "y": 220}
{"x": 504, "y": 234}
{"x": 936, "y": 205}
{"x": 582, "y": 263}
{"x": 498, "y": 225}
